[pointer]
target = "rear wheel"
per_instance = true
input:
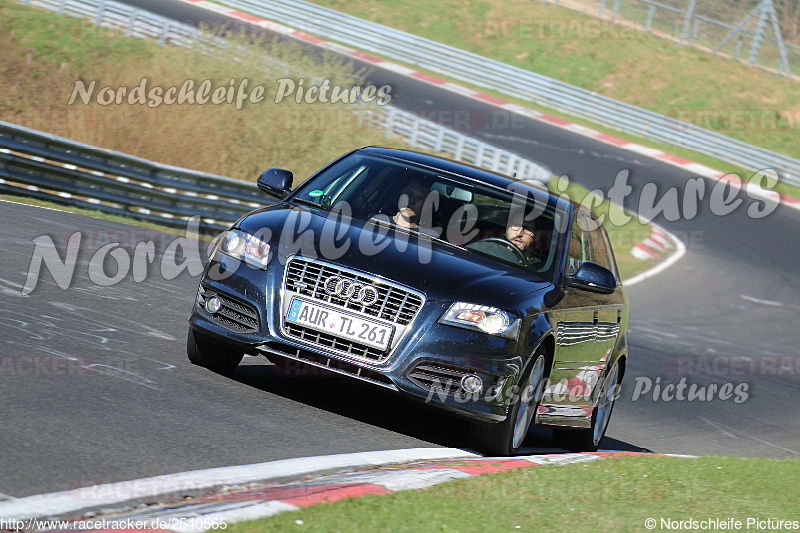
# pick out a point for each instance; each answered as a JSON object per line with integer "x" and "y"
{"x": 588, "y": 440}
{"x": 220, "y": 359}
{"x": 506, "y": 438}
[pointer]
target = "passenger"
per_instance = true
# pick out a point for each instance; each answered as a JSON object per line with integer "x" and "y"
{"x": 409, "y": 214}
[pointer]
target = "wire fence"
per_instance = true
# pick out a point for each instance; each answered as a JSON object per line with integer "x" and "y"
{"x": 761, "y": 33}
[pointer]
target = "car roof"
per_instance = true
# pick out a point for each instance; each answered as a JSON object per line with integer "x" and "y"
{"x": 466, "y": 170}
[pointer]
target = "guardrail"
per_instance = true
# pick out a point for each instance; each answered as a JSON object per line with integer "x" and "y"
{"x": 46, "y": 166}
{"x": 49, "y": 167}
{"x": 424, "y": 134}
{"x": 134, "y": 22}
{"x": 514, "y": 81}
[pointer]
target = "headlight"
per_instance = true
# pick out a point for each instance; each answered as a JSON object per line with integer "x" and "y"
{"x": 246, "y": 247}
{"x": 482, "y": 318}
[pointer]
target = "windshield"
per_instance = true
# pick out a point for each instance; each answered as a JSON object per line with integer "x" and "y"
{"x": 514, "y": 226}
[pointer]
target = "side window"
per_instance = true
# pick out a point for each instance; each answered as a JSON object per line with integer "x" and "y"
{"x": 578, "y": 246}
{"x": 611, "y": 258}
{"x": 600, "y": 253}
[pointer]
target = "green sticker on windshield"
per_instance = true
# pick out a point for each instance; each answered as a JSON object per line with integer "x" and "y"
{"x": 316, "y": 193}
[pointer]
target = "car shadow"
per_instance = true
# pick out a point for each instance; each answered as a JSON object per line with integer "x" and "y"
{"x": 355, "y": 400}
{"x": 540, "y": 440}
{"x": 383, "y": 408}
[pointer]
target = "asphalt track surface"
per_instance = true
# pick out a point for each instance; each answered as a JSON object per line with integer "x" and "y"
{"x": 95, "y": 385}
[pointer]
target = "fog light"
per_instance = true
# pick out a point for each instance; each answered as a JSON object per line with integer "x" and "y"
{"x": 213, "y": 305}
{"x": 471, "y": 384}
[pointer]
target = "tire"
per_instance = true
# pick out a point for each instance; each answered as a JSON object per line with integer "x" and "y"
{"x": 219, "y": 359}
{"x": 506, "y": 438}
{"x": 589, "y": 439}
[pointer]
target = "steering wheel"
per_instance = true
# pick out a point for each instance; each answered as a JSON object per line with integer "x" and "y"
{"x": 505, "y": 243}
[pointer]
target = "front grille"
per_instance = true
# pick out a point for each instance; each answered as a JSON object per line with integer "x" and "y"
{"x": 329, "y": 341}
{"x": 394, "y": 303}
{"x": 234, "y": 315}
{"x": 336, "y": 366}
{"x": 436, "y": 377}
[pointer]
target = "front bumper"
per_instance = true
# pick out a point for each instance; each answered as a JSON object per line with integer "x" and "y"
{"x": 427, "y": 363}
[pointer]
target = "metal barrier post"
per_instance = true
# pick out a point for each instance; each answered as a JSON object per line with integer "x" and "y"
{"x": 101, "y": 7}
{"x": 131, "y": 22}
{"x": 687, "y": 21}
{"x": 164, "y": 31}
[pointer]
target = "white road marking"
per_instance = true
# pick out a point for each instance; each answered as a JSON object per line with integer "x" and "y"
{"x": 401, "y": 479}
{"x": 39, "y": 206}
{"x": 717, "y": 426}
{"x": 126, "y": 375}
{"x": 11, "y": 291}
{"x": 723, "y": 429}
{"x": 644, "y": 150}
{"x": 760, "y": 301}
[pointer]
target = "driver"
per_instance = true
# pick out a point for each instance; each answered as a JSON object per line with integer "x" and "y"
{"x": 521, "y": 236}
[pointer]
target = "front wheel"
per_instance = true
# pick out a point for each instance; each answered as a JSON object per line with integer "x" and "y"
{"x": 588, "y": 440}
{"x": 506, "y": 438}
{"x": 219, "y": 359}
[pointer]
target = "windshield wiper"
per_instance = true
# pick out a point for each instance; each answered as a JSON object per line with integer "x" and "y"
{"x": 303, "y": 201}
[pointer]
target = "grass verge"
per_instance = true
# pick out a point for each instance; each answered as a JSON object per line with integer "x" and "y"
{"x": 617, "y": 494}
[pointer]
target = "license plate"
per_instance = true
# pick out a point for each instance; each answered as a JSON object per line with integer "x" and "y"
{"x": 343, "y": 325}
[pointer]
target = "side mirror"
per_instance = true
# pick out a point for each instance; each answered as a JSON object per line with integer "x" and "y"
{"x": 592, "y": 277}
{"x": 276, "y": 182}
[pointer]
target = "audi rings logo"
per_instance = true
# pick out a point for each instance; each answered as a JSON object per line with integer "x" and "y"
{"x": 351, "y": 290}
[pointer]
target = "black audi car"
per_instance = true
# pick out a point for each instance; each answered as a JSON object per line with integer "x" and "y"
{"x": 481, "y": 294}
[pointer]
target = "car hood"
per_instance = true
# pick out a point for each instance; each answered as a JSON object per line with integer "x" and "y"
{"x": 440, "y": 271}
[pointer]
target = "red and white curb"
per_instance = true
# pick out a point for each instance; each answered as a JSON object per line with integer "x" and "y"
{"x": 240, "y": 498}
{"x": 97, "y": 496}
{"x": 695, "y": 168}
{"x": 654, "y": 246}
